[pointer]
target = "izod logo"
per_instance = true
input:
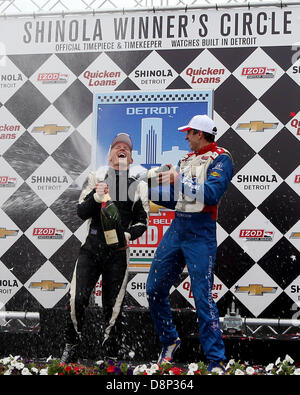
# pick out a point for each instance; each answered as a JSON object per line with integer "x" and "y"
{"x": 258, "y": 72}
{"x": 48, "y": 233}
{"x": 256, "y": 235}
{"x": 52, "y": 78}
{"x": 7, "y": 182}
{"x": 297, "y": 179}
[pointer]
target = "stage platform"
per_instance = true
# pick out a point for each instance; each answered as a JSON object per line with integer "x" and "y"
{"x": 138, "y": 340}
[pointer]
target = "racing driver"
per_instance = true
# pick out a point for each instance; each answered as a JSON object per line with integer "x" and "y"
{"x": 195, "y": 189}
{"x": 96, "y": 257}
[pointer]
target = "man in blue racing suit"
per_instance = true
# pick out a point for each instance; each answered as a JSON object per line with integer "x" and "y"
{"x": 195, "y": 189}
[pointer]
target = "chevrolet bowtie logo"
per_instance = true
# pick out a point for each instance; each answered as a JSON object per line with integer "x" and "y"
{"x": 48, "y": 285}
{"x": 257, "y": 126}
{"x": 6, "y": 232}
{"x": 256, "y": 289}
{"x": 50, "y": 129}
{"x": 295, "y": 235}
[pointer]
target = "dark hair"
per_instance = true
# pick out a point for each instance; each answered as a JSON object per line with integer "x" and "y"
{"x": 209, "y": 137}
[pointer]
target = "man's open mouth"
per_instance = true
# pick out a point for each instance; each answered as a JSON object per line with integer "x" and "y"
{"x": 121, "y": 155}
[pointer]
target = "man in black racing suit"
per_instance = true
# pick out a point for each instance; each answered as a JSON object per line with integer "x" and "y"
{"x": 95, "y": 257}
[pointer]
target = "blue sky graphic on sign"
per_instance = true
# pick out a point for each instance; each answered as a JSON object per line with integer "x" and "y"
{"x": 151, "y": 119}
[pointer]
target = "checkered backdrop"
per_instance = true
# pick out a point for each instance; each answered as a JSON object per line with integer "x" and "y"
{"x": 50, "y": 68}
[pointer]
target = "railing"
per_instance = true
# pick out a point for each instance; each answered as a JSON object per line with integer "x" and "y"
{"x": 25, "y": 7}
{"x": 31, "y": 320}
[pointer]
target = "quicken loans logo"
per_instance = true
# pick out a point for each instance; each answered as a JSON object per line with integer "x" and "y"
{"x": 102, "y": 78}
{"x": 205, "y": 75}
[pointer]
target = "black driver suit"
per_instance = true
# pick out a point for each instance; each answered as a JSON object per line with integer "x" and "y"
{"x": 96, "y": 258}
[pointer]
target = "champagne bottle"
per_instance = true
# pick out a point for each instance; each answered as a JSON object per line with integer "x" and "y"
{"x": 151, "y": 175}
{"x": 111, "y": 224}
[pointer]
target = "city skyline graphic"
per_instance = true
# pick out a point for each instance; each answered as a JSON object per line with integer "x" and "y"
{"x": 151, "y": 120}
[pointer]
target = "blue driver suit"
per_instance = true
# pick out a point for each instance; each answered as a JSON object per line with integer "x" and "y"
{"x": 191, "y": 240}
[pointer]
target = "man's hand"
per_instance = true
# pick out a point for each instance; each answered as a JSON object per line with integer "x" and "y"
{"x": 101, "y": 189}
{"x": 127, "y": 236}
{"x": 167, "y": 177}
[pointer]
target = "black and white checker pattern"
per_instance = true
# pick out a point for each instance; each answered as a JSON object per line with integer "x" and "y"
{"x": 46, "y": 143}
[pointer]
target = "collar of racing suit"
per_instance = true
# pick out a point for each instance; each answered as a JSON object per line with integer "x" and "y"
{"x": 118, "y": 182}
{"x": 207, "y": 148}
{"x": 111, "y": 172}
{"x": 210, "y": 147}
